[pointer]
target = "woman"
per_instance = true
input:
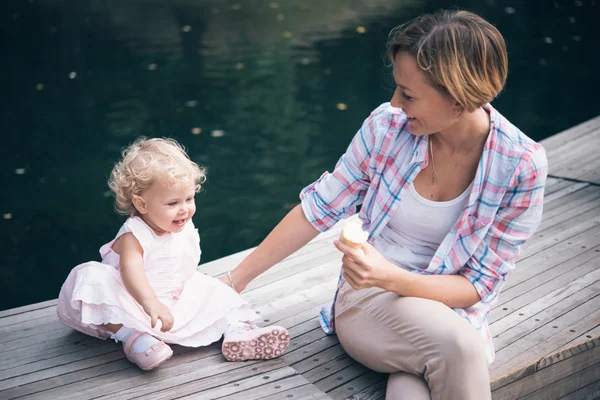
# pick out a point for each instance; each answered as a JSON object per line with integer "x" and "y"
{"x": 450, "y": 191}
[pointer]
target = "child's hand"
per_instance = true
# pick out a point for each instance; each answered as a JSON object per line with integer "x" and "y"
{"x": 157, "y": 310}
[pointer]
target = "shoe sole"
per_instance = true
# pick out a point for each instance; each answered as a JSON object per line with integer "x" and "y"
{"x": 265, "y": 347}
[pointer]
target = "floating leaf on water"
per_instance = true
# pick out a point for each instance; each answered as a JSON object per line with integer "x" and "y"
{"x": 186, "y": 28}
{"x": 196, "y": 131}
{"x": 543, "y": 61}
{"x": 280, "y": 17}
{"x": 191, "y": 103}
{"x": 107, "y": 194}
{"x": 236, "y": 6}
{"x": 217, "y": 133}
{"x": 39, "y": 87}
{"x": 578, "y": 3}
{"x": 361, "y": 29}
{"x": 548, "y": 40}
{"x": 274, "y": 4}
{"x": 239, "y": 65}
{"x": 7, "y": 216}
{"x": 572, "y": 20}
{"x": 20, "y": 171}
{"x": 342, "y": 106}
{"x": 152, "y": 67}
{"x": 510, "y": 10}
{"x": 73, "y": 75}
{"x": 577, "y": 38}
{"x": 287, "y": 34}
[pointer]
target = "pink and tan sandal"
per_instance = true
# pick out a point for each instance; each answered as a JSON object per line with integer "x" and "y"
{"x": 253, "y": 343}
{"x": 149, "y": 359}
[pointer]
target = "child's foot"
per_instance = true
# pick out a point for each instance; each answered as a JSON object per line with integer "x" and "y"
{"x": 146, "y": 351}
{"x": 254, "y": 343}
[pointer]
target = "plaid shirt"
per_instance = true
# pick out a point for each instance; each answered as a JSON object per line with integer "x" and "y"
{"x": 503, "y": 210}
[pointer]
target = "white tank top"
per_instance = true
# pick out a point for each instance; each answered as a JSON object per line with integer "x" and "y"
{"x": 417, "y": 228}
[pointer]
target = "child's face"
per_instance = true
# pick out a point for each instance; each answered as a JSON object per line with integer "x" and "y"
{"x": 166, "y": 208}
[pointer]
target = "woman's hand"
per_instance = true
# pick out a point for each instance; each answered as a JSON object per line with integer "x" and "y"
{"x": 157, "y": 310}
{"x": 365, "y": 267}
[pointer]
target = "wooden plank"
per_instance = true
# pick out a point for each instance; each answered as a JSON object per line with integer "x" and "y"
{"x": 224, "y": 264}
{"x": 567, "y": 385}
{"x": 575, "y": 151}
{"x": 374, "y": 392}
{"x": 541, "y": 312}
{"x": 589, "y": 392}
{"x": 555, "y": 184}
{"x": 309, "y": 350}
{"x": 28, "y": 346}
{"x": 359, "y": 385}
{"x": 542, "y": 378}
{"x": 304, "y": 392}
{"x": 295, "y": 283}
{"x": 27, "y": 316}
{"x": 543, "y": 262}
{"x": 27, "y": 308}
{"x": 562, "y": 190}
{"x": 341, "y": 377}
{"x": 575, "y": 278}
{"x": 323, "y": 364}
{"x": 562, "y": 232}
{"x": 88, "y": 376}
{"x": 568, "y": 137}
{"x": 593, "y": 175}
{"x": 571, "y": 206}
{"x": 290, "y": 385}
{"x": 546, "y": 339}
{"x": 588, "y": 340}
{"x": 230, "y": 385}
{"x": 279, "y": 308}
{"x": 206, "y": 365}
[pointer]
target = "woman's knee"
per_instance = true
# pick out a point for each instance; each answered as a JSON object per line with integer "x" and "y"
{"x": 459, "y": 344}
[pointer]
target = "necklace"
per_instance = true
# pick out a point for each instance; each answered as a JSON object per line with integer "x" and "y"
{"x": 434, "y": 174}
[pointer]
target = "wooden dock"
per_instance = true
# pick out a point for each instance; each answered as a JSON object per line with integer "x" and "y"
{"x": 546, "y": 327}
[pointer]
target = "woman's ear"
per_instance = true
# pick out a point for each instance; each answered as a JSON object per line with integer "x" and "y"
{"x": 140, "y": 204}
{"x": 458, "y": 109}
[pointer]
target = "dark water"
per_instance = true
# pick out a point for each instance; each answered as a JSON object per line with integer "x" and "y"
{"x": 260, "y": 81}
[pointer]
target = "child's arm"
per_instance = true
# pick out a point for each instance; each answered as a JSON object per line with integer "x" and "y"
{"x": 135, "y": 281}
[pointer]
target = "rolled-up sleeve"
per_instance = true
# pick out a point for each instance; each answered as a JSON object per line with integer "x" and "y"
{"x": 336, "y": 195}
{"x": 515, "y": 222}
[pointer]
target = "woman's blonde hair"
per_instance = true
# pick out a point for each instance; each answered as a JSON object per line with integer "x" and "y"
{"x": 460, "y": 53}
{"x": 146, "y": 161}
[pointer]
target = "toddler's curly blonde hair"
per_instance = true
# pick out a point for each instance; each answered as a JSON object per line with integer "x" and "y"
{"x": 146, "y": 161}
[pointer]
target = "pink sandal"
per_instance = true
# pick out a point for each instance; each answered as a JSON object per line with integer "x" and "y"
{"x": 255, "y": 343}
{"x": 149, "y": 359}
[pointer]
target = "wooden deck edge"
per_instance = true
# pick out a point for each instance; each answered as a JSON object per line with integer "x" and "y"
{"x": 545, "y": 362}
{"x": 564, "y": 178}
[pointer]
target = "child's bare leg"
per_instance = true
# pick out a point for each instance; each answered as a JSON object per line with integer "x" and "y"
{"x": 113, "y": 327}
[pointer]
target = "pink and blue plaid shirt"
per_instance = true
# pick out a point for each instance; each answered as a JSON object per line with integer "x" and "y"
{"x": 503, "y": 210}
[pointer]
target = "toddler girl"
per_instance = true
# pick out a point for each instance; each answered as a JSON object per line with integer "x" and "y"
{"x": 146, "y": 292}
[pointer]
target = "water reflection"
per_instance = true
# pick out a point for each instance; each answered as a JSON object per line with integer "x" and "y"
{"x": 266, "y": 94}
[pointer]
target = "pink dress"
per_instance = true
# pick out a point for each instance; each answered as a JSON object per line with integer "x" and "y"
{"x": 202, "y": 307}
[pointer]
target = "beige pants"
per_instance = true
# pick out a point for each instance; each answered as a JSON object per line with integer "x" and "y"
{"x": 429, "y": 350}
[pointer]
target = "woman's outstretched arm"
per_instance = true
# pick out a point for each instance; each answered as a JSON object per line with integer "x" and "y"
{"x": 292, "y": 233}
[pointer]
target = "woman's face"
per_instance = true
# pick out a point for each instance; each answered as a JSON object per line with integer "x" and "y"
{"x": 428, "y": 110}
